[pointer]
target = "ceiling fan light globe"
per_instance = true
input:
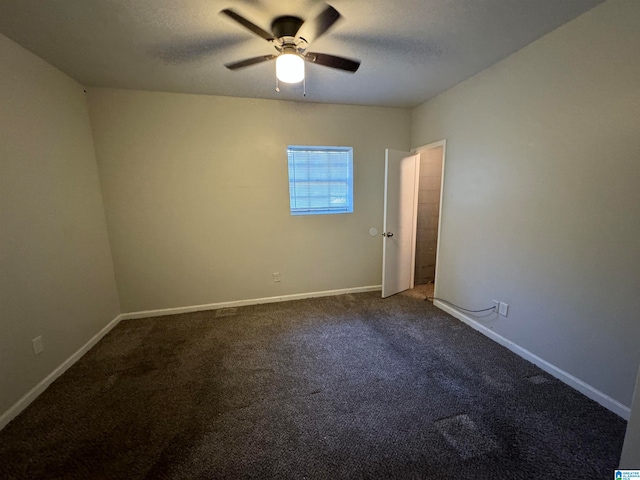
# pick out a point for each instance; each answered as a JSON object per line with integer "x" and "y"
{"x": 290, "y": 68}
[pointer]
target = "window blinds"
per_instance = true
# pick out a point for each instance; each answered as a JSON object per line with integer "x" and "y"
{"x": 320, "y": 180}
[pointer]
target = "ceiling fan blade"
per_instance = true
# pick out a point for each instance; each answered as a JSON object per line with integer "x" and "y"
{"x": 312, "y": 29}
{"x": 249, "y": 61}
{"x": 332, "y": 61}
{"x": 248, "y": 25}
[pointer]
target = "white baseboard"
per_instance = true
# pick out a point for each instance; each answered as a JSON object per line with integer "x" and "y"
{"x": 252, "y": 301}
{"x": 32, "y": 394}
{"x": 584, "y": 388}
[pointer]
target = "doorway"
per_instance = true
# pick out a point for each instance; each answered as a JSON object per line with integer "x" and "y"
{"x": 412, "y": 212}
{"x": 430, "y": 181}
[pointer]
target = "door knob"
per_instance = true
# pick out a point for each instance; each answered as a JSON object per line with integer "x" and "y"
{"x": 387, "y": 234}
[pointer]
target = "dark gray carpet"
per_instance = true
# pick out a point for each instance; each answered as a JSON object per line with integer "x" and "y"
{"x": 351, "y": 386}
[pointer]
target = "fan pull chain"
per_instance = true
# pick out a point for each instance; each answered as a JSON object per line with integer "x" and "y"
{"x": 277, "y": 85}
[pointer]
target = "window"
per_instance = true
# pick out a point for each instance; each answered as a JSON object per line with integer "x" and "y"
{"x": 320, "y": 180}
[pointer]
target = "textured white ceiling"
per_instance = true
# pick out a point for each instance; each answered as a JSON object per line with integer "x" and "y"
{"x": 411, "y": 50}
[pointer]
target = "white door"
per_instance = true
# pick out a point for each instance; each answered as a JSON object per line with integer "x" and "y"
{"x": 400, "y": 203}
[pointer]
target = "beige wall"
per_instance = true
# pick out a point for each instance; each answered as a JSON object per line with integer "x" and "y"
{"x": 196, "y": 195}
{"x": 56, "y": 275}
{"x": 541, "y": 195}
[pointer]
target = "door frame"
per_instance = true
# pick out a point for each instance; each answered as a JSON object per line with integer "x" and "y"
{"x": 419, "y": 150}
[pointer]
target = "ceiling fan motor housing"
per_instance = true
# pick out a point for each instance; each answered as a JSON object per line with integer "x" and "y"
{"x": 286, "y": 26}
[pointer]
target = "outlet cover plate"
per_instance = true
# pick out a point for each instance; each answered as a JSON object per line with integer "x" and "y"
{"x": 38, "y": 346}
{"x": 504, "y": 309}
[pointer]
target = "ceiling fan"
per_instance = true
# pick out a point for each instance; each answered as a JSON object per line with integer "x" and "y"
{"x": 291, "y": 37}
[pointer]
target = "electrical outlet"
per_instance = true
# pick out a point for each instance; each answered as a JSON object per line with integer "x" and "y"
{"x": 38, "y": 346}
{"x": 504, "y": 309}
{"x": 276, "y": 276}
{"x": 496, "y": 306}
